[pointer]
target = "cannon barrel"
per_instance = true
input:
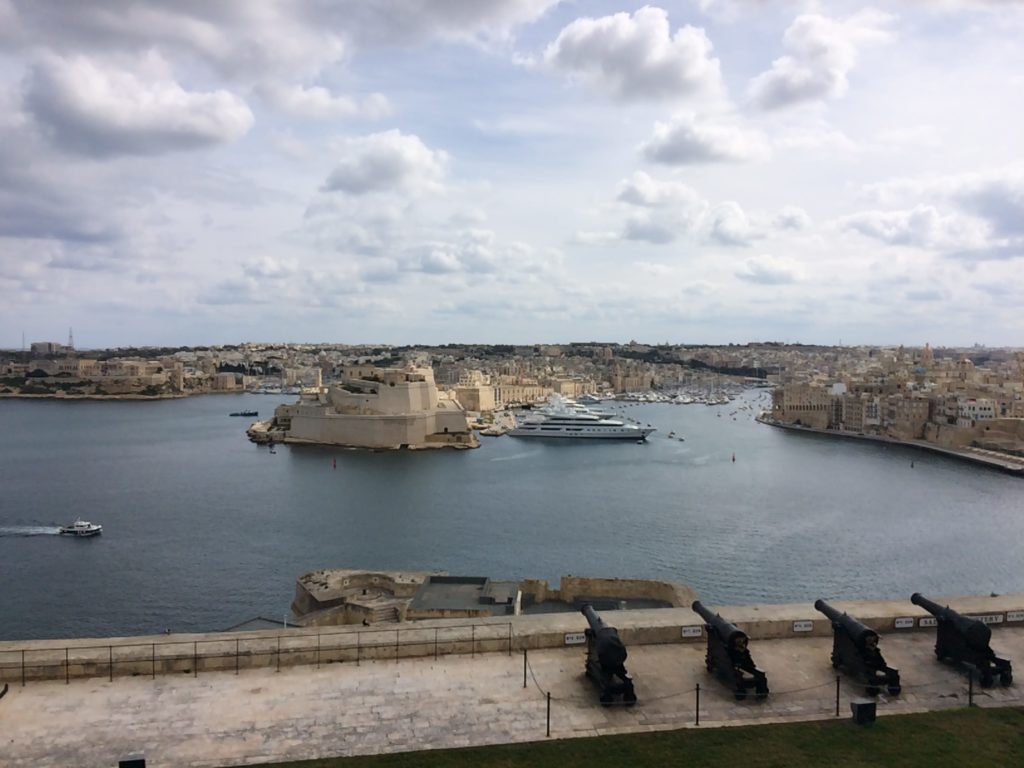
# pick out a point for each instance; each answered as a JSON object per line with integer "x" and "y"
{"x": 611, "y": 651}
{"x": 725, "y": 629}
{"x": 856, "y": 630}
{"x": 976, "y": 632}
{"x": 596, "y": 622}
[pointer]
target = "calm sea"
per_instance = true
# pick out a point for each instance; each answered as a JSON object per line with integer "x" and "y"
{"x": 202, "y": 529}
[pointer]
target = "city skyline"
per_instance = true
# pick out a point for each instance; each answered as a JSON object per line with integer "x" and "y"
{"x": 399, "y": 173}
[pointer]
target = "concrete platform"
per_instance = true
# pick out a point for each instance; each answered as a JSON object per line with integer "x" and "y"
{"x": 301, "y": 712}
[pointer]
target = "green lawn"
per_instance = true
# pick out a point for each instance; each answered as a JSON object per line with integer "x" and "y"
{"x": 961, "y": 737}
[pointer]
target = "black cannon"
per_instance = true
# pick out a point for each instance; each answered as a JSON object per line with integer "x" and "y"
{"x": 965, "y": 640}
{"x": 606, "y": 660}
{"x": 728, "y": 656}
{"x": 855, "y": 649}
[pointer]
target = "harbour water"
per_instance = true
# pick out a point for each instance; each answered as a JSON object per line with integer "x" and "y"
{"x": 202, "y": 529}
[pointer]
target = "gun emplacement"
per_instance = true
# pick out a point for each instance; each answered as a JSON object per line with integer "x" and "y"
{"x": 728, "y": 655}
{"x": 965, "y": 640}
{"x": 855, "y": 649}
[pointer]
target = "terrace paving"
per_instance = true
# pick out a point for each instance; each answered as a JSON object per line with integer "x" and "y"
{"x": 301, "y": 712}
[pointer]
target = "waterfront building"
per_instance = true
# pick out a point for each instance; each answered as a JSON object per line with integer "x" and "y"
{"x": 377, "y": 408}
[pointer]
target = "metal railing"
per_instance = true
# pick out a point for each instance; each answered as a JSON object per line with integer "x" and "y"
{"x": 247, "y": 652}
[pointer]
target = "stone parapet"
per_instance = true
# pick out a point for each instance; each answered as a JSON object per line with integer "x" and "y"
{"x": 206, "y": 652}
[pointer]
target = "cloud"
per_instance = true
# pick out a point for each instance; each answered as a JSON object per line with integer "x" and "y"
{"x": 792, "y": 217}
{"x": 683, "y": 140}
{"x": 821, "y": 52}
{"x": 89, "y": 109}
{"x": 926, "y": 294}
{"x": 643, "y": 190}
{"x": 921, "y": 227}
{"x": 998, "y": 200}
{"x": 648, "y": 228}
{"x": 730, "y": 225}
{"x": 253, "y": 41}
{"x": 767, "y": 270}
{"x": 384, "y": 162}
{"x": 636, "y": 57}
{"x": 319, "y": 103}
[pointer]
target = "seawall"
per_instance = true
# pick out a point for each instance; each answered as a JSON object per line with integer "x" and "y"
{"x": 988, "y": 458}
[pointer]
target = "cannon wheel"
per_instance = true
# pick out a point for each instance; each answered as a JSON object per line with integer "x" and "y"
{"x": 607, "y": 699}
{"x": 873, "y": 690}
{"x": 987, "y": 679}
{"x": 740, "y": 695}
{"x": 1006, "y": 678}
{"x": 629, "y": 699}
{"x": 894, "y": 690}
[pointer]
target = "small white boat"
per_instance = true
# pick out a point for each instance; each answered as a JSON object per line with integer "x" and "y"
{"x": 81, "y": 528}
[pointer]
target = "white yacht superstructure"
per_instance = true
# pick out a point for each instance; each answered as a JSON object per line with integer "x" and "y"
{"x": 562, "y": 419}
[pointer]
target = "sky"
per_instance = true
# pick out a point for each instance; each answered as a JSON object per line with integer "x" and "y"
{"x": 511, "y": 171}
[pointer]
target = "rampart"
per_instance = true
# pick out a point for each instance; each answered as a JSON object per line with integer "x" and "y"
{"x": 22, "y": 661}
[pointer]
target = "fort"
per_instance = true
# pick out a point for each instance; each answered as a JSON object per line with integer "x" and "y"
{"x": 317, "y": 691}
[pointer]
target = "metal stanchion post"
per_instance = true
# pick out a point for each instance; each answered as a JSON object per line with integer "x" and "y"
{"x": 278, "y": 654}
{"x": 152, "y": 663}
{"x": 524, "y": 667}
{"x": 472, "y": 641}
{"x": 67, "y": 668}
{"x": 359, "y": 643}
{"x": 23, "y": 669}
{"x": 549, "y": 713}
{"x": 970, "y": 687}
{"x": 318, "y": 650}
{"x": 110, "y": 661}
{"x": 837, "y": 695}
{"x": 697, "y": 721}
{"x": 510, "y": 638}
{"x": 237, "y": 654}
{"x": 435, "y": 643}
{"x": 195, "y": 658}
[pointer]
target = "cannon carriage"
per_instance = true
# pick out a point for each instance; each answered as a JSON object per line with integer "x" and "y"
{"x": 606, "y": 660}
{"x": 964, "y": 640}
{"x": 728, "y": 656}
{"x": 855, "y": 650}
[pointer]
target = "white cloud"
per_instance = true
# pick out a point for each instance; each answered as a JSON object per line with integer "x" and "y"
{"x": 683, "y": 140}
{"x": 384, "y": 162}
{"x": 643, "y": 190}
{"x": 792, "y": 217}
{"x": 95, "y": 110}
{"x": 636, "y": 57}
{"x": 730, "y": 225}
{"x": 820, "y": 53}
{"x": 319, "y": 103}
{"x": 768, "y": 270}
{"x": 922, "y": 227}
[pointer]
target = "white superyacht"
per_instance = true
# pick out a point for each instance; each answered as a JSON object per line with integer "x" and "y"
{"x": 561, "y": 418}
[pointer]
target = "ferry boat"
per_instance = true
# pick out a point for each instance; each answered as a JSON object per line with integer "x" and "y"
{"x": 245, "y": 413}
{"x": 81, "y": 528}
{"x": 559, "y": 419}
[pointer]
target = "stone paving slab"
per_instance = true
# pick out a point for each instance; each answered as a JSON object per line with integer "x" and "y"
{"x": 221, "y": 719}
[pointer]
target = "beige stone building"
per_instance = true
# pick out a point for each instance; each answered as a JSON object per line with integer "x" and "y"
{"x": 378, "y": 408}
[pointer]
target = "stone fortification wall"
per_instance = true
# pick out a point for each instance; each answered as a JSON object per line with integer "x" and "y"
{"x": 320, "y": 590}
{"x": 195, "y": 653}
{"x": 572, "y": 587}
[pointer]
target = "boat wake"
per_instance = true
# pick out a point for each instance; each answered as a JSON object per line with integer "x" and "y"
{"x": 515, "y": 456}
{"x": 29, "y": 530}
